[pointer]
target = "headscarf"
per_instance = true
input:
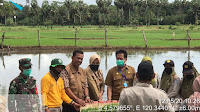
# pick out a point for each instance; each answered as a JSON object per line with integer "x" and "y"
{"x": 146, "y": 58}
{"x": 93, "y": 57}
{"x": 195, "y": 97}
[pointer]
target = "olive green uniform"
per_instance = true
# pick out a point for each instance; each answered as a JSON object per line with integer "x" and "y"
{"x": 187, "y": 86}
{"x": 171, "y": 85}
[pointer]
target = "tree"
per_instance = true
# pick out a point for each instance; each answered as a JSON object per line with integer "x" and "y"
{"x": 196, "y": 6}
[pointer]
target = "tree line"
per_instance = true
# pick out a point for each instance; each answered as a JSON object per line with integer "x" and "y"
{"x": 122, "y": 12}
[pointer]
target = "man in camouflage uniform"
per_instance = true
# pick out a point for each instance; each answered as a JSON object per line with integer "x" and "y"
{"x": 23, "y": 94}
{"x": 189, "y": 74}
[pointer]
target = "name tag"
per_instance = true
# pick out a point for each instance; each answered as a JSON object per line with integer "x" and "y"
{"x": 125, "y": 84}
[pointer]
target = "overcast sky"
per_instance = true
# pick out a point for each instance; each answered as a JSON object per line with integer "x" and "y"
{"x": 89, "y": 2}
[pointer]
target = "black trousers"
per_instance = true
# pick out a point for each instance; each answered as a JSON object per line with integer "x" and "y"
{"x": 68, "y": 108}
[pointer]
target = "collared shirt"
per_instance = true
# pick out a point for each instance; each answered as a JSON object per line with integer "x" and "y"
{"x": 144, "y": 98}
{"x": 53, "y": 92}
{"x": 75, "y": 80}
{"x": 115, "y": 80}
{"x": 23, "y": 95}
{"x": 95, "y": 82}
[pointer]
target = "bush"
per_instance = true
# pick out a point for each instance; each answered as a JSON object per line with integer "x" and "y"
{"x": 191, "y": 27}
{"x": 178, "y": 24}
{"x": 170, "y": 27}
{"x": 9, "y": 22}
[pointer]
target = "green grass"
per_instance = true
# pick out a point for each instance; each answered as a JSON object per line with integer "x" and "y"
{"x": 117, "y": 36}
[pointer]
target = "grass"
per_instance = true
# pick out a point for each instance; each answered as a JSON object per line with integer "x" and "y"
{"x": 121, "y": 36}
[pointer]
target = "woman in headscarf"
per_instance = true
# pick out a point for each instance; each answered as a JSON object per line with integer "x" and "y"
{"x": 95, "y": 78}
{"x": 156, "y": 80}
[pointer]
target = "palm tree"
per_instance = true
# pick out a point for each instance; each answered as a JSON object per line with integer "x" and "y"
{"x": 45, "y": 10}
{"x": 196, "y": 6}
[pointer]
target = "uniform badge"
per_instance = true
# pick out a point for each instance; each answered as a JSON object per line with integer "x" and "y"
{"x": 186, "y": 66}
{"x": 168, "y": 61}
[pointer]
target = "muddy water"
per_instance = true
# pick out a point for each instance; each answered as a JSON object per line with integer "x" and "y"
{"x": 41, "y": 61}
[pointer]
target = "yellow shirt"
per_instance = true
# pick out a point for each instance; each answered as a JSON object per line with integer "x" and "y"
{"x": 53, "y": 92}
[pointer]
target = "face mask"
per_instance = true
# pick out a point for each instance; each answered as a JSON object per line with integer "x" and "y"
{"x": 94, "y": 67}
{"x": 168, "y": 70}
{"x": 120, "y": 63}
{"x": 189, "y": 76}
{"x": 55, "y": 71}
{"x": 27, "y": 72}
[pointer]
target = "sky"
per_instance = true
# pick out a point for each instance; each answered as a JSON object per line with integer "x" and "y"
{"x": 89, "y": 2}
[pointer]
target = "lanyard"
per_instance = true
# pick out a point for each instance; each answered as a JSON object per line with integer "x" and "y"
{"x": 124, "y": 75}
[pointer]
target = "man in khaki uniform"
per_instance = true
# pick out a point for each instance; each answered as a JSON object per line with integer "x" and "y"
{"x": 170, "y": 82}
{"x": 119, "y": 77}
{"x": 75, "y": 82}
{"x": 189, "y": 74}
{"x": 143, "y": 97}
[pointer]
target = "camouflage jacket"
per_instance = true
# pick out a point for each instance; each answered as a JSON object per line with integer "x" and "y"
{"x": 23, "y": 95}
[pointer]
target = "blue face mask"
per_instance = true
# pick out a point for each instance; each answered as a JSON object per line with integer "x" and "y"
{"x": 27, "y": 72}
{"x": 120, "y": 63}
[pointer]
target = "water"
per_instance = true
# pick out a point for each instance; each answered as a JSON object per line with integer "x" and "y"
{"x": 41, "y": 61}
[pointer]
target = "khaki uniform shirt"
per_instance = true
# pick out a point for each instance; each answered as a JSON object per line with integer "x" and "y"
{"x": 115, "y": 80}
{"x": 2, "y": 104}
{"x": 95, "y": 83}
{"x": 155, "y": 82}
{"x": 173, "y": 91}
{"x": 175, "y": 87}
{"x": 75, "y": 80}
{"x": 144, "y": 98}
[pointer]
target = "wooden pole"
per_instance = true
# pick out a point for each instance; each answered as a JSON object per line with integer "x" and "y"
{"x": 75, "y": 36}
{"x": 106, "y": 37}
{"x": 39, "y": 38}
{"x": 2, "y": 58}
{"x": 106, "y": 61}
{"x": 144, "y": 39}
{"x": 173, "y": 35}
{"x": 188, "y": 38}
{"x": 189, "y": 55}
{"x": 2, "y": 40}
{"x": 39, "y": 60}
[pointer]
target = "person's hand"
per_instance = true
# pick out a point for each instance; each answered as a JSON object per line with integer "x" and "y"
{"x": 81, "y": 102}
{"x": 88, "y": 100}
{"x": 76, "y": 106}
{"x": 100, "y": 96}
{"x": 47, "y": 110}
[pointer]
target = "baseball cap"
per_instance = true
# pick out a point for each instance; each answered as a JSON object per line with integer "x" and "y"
{"x": 145, "y": 67}
{"x": 55, "y": 62}
{"x": 25, "y": 62}
{"x": 146, "y": 58}
{"x": 188, "y": 67}
{"x": 169, "y": 62}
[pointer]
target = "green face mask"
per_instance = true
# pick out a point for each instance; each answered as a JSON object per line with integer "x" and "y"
{"x": 120, "y": 63}
{"x": 27, "y": 72}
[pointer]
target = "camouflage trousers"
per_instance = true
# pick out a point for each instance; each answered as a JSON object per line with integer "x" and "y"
{"x": 58, "y": 109}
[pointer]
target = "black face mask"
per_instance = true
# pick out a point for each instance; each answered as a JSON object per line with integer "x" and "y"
{"x": 55, "y": 71}
{"x": 189, "y": 76}
{"x": 168, "y": 70}
{"x": 94, "y": 67}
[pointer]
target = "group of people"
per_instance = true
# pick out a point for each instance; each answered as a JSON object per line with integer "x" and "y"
{"x": 67, "y": 88}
